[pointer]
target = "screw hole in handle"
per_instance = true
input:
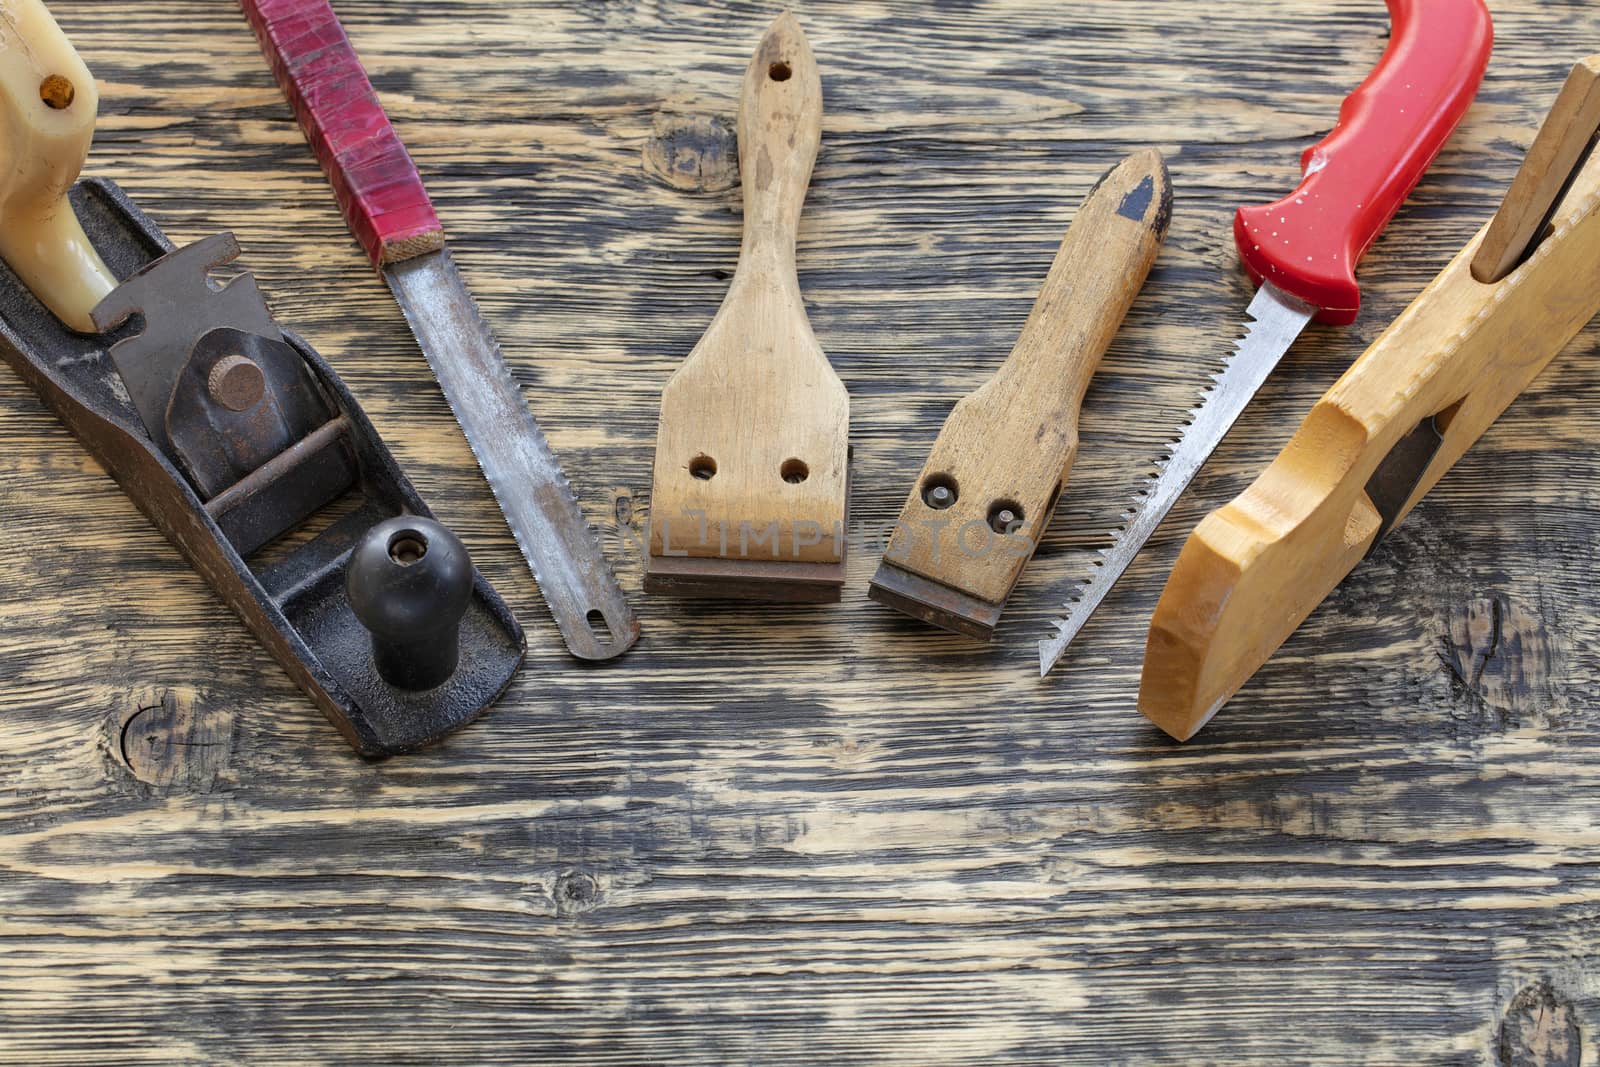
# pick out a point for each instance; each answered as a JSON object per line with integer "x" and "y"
{"x": 408, "y": 548}
{"x": 780, "y": 71}
{"x": 57, "y": 92}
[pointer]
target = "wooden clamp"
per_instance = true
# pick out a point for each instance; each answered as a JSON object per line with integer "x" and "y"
{"x": 1389, "y": 429}
{"x": 748, "y": 496}
{"x": 992, "y": 481}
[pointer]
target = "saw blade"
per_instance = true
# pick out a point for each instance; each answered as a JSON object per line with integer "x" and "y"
{"x": 1276, "y": 320}
{"x": 533, "y": 494}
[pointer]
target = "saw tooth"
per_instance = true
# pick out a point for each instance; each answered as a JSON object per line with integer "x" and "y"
{"x": 555, "y": 476}
{"x": 1272, "y": 323}
{"x": 552, "y": 533}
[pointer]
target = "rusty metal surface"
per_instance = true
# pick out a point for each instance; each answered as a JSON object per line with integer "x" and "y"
{"x": 295, "y": 605}
{"x": 217, "y": 443}
{"x": 745, "y": 579}
{"x": 934, "y": 602}
{"x": 286, "y": 490}
{"x": 173, "y": 304}
{"x": 563, "y": 552}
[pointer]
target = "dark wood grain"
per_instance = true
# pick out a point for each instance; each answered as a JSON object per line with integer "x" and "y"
{"x": 813, "y": 835}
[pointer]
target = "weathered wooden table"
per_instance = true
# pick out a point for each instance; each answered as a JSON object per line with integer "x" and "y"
{"x": 812, "y": 835}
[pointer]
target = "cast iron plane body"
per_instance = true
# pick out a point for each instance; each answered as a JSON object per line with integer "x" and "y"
{"x": 266, "y": 471}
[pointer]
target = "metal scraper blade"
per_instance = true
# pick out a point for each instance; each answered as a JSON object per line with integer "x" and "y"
{"x": 934, "y": 602}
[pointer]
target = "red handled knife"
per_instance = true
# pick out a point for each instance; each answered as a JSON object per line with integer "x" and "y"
{"x": 389, "y": 212}
{"x": 1303, "y": 250}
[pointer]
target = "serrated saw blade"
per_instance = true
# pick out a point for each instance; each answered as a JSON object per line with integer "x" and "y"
{"x": 1276, "y": 320}
{"x": 555, "y": 538}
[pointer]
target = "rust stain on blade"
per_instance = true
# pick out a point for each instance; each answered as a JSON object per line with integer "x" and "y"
{"x": 528, "y": 483}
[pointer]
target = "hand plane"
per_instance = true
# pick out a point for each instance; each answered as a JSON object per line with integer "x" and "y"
{"x": 992, "y": 481}
{"x": 234, "y": 437}
{"x": 749, "y": 488}
{"x": 1388, "y": 430}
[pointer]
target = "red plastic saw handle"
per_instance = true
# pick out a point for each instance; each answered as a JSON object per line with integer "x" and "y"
{"x": 1390, "y": 131}
{"x": 378, "y": 187}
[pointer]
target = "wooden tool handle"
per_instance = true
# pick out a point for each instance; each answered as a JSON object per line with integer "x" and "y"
{"x": 780, "y": 130}
{"x": 1099, "y": 269}
{"x": 377, "y": 185}
{"x": 1254, "y": 569}
{"x": 1567, "y": 135}
{"x": 1010, "y": 444}
{"x": 48, "y": 101}
{"x": 753, "y": 445}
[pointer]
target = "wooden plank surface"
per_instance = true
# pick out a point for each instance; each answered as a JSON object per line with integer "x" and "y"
{"x": 812, "y": 835}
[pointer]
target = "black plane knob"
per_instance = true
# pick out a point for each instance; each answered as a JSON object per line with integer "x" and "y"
{"x": 409, "y": 582}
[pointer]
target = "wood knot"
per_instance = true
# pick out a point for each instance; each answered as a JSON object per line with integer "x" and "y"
{"x": 576, "y": 892}
{"x": 1503, "y": 656}
{"x": 172, "y": 745}
{"x": 695, "y": 153}
{"x": 1540, "y": 1029}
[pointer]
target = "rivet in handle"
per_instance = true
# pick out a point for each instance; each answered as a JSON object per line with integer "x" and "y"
{"x": 57, "y": 92}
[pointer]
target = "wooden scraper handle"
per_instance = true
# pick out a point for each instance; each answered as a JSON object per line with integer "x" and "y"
{"x": 1006, "y": 449}
{"x": 780, "y": 132}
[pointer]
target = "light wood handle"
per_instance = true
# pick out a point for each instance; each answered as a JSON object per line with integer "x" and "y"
{"x": 780, "y": 130}
{"x": 1011, "y": 444}
{"x": 1568, "y": 132}
{"x": 1099, "y": 269}
{"x": 752, "y": 447}
{"x": 48, "y": 102}
{"x": 1254, "y": 569}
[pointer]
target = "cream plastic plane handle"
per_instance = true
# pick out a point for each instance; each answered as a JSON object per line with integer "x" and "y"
{"x": 47, "y": 109}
